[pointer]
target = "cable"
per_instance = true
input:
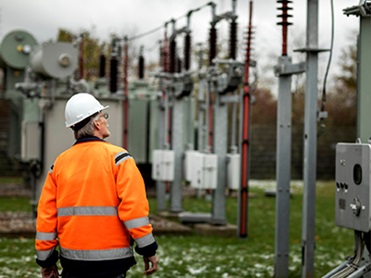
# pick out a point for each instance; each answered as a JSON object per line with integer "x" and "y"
{"x": 146, "y": 33}
{"x": 354, "y": 262}
{"x": 322, "y": 114}
{"x": 329, "y": 60}
{"x": 162, "y": 26}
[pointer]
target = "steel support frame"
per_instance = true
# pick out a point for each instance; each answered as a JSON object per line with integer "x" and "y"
{"x": 285, "y": 69}
{"x": 160, "y": 185}
{"x": 218, "y": 216}
{"x": 364, "y": 80}
{"x": 202, "y": 116}
{"x": 363, "y": 86}
{"x": 178, "y": 148}
{"x": 363, "y": 92}
{"x": 310, "y": 142}
{"x": 283, "y": 172}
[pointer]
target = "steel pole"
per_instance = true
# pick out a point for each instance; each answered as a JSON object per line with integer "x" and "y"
{"x": 364, "y": 80}
{"x": 220, "y": 148}
{"x": 310, "y": 141}
{"x": 178, "y": 148}
{"x": 126, "y": 93}
{"x": 160, "y": 185}
{"x": 283, "y": 172}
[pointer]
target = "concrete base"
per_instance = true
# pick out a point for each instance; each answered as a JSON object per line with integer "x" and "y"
{"x": 162, "y": 226}
{"x": 173, "y": 216}
{"x": 194, "y": 218}
{"x": 228, "y": 230}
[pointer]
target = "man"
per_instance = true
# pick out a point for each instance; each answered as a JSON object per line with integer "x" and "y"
{"x": 93, "y": 203}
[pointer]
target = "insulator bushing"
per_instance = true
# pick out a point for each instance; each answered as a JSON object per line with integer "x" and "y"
{"x": 284, "y": 8}
{"x": 119, "y": 52}
{"x": 212, "y": 44}
{"x": 178, "y": 65}
{"x": 164, "y": 56}
{"x": 285, "y": 23}
{"x": 102, "y": 66}
{"x": 113, "y": 75}
{"x": 233, "y": 40}
{"x": 141, "y": 67}
{"x": 172, "y": 67}
{"x": 162, "y": 61}
{"x": 187, "y": 52}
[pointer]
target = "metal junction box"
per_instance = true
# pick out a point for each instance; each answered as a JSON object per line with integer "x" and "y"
{"x": 163, "y": 165}
{"x": 204, "y": 171}
{"x": 31, "y": 144}
{"x": 189, "y": 159}
{"x": 234, "y": 171}
{"x": 353, "y": 179}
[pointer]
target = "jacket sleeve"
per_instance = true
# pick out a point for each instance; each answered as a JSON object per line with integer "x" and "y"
{"x": 46, "y": 225}
{"x": 134, "y": 209}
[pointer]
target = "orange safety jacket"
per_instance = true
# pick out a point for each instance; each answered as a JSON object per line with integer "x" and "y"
{"x": 92, "y": 205}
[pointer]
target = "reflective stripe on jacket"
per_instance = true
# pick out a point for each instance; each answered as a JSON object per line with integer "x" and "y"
{"x": 92, "y": 204}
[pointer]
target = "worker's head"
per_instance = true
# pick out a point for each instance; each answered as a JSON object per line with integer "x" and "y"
{"x": 84, "y": 115}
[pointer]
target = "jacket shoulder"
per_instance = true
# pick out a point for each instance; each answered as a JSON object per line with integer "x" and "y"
{"x": 114, "y": 149}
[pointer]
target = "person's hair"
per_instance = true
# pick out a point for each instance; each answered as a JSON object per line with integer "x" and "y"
{"x": 88, "y": 129}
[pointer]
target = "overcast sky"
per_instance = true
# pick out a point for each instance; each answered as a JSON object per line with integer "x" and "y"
{"x": 42, "y": 18}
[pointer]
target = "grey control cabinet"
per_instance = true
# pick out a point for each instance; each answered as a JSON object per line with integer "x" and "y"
{"x": 353, "y": 177}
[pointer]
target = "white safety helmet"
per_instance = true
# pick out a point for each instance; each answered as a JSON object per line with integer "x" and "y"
{"x": 80, "y": 107}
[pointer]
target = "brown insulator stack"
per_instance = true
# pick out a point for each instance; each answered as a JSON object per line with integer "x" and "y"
{"x": 173, "y": 58}
{"x": 284, "y": 16}
{"x": 187, "y": 51}
{"x": 102, "y": 66}
{"x": 113, "y": 74}
{"x": 212, "y": 44}
{"x": 233, "y": 40}
{"x": 141, "y": 67}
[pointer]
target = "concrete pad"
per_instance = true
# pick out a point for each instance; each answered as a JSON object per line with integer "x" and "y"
{"x": 205, "y": 229}
{"x": 173, "y": 216}
{"x": 162, "y": 226}
{"x": 194, "y": 218}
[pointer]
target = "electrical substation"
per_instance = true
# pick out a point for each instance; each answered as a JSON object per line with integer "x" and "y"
{"x": 190, "y": 128}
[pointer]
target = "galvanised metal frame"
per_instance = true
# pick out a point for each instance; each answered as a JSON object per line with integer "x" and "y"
{"x": 178, "y": 148}
{"x": 160, "y": 185}
{"x": 218, "y": 216}
{"x": 310, "y": 141}
{"x": 283, "y": 167}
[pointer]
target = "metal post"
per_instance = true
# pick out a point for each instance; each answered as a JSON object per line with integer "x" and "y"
{"x": 162, "y": 120}
{"x": 202, "y": 127}
{"x": 126, "y": 92}
{"x": 283, "y": 167}
{"x": 190, "y": 123}
{"x": 310, "y": 141}
{"x": 364, "y": 80}
{"x": 160, "y": 185}
{"x": 220, "y": 148}
{"x": 178, "y": 148}
{"x": 283, "y": 172}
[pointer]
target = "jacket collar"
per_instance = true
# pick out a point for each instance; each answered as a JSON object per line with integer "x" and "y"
{"x": 88, "y": 139}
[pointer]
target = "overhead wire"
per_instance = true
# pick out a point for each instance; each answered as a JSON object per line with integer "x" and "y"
{"x": 156, "y": 29}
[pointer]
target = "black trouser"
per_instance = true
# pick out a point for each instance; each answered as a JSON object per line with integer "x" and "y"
{"x": 66, "y": 274}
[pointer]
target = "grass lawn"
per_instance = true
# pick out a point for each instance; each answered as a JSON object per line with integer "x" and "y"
{"x": 15, "y": 204}
{"x": 211, "y": 256}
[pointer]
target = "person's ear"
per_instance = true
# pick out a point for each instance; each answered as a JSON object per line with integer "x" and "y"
{"x": 97, "y": 124}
